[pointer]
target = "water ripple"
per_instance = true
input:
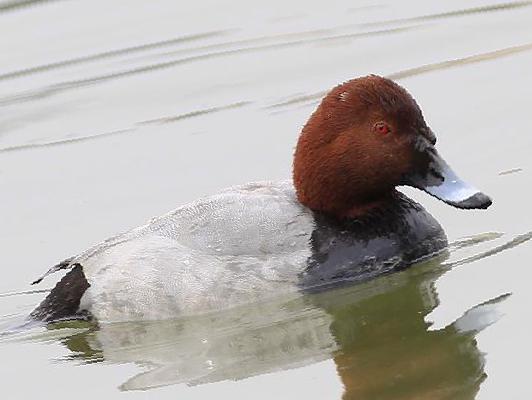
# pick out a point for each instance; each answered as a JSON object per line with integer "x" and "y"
{"x": 109, "y": 54}
{"x": 516, "y": 241}
{"x": 23, "y": 293}
{"x": 456, "y": 13}
{"x": 511, "y": 171}
{"x": 406, "y": 73}
{"x": 16, "y": 4}
{"x": 197, "y": 113}
{"x": 474, "y": 240}
{"x": 60, "y": 87}
{"x": 61, "y": 142}
{"x": 162, "y": 120}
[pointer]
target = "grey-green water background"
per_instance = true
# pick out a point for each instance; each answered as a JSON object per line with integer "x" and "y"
{"x": 113, "y": 112}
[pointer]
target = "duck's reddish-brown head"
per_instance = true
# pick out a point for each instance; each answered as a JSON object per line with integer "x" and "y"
{"x": 368, "y": 136}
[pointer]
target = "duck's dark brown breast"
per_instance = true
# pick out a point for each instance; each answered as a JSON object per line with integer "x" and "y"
{"x": 389, "y": 239}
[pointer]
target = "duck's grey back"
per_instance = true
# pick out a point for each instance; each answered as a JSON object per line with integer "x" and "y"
{"x": 239, "y": 246}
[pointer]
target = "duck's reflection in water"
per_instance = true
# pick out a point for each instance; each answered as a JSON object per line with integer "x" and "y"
{"x": 375, "y": 332}
{"x": 387, "y": 350}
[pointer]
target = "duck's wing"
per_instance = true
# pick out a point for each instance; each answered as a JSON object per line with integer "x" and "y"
{"x": 243, "y": 219}
{"x": 172, "y": 223}
{"x": 255, "y": 231}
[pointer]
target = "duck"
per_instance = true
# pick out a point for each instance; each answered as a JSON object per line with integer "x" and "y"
{"x": 341, "y": 220}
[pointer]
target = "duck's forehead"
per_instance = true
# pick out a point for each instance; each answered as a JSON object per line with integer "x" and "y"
{"x": 378, "y": 95}
{"x": 408, "y": 114}
{"x": 392, "y": 99}
{"x": 401, "y": 106}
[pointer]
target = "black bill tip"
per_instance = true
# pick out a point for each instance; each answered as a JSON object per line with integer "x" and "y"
{"x": 477, "y": 201}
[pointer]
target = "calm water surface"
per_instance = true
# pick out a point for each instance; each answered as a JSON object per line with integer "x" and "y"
{"x": 113, "y": 112}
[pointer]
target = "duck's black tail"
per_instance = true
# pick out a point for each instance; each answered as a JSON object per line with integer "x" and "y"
{"x": 64, "y": 299}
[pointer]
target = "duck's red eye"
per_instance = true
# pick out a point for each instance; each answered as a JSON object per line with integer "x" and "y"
{"x": 382, "y": 127}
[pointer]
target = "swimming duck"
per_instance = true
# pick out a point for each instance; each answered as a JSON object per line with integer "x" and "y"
{"x": 341, "y": 220}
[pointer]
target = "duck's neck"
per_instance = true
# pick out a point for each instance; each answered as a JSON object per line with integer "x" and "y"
{"x": 361, "y": 209}
{"x": 341, "y": 205}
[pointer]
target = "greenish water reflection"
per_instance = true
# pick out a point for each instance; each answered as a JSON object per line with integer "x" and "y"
{"x": 386, "y": 350}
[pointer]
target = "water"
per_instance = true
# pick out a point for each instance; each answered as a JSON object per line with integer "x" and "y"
{"x": 113, "y": 112}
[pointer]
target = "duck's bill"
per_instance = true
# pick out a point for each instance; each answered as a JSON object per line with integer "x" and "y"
{"x": 434, "y": 176}
{"x": 456, "y": 192}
